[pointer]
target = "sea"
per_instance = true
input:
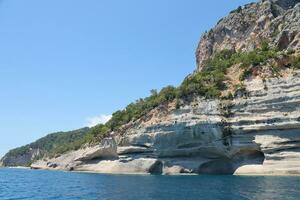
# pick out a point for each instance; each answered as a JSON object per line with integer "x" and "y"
{"x": 18, "y": 184}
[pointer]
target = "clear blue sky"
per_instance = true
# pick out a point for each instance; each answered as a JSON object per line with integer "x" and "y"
{"x": 63, "y": 62}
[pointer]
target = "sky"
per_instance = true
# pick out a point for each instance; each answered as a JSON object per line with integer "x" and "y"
{"x": 67, "y": 64}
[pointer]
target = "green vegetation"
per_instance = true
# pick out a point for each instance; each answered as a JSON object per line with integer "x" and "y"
{"x": 96, "y": 133}
{"x": 19, "y": 151}
{"x": 296, "y": 62}
{"x": 136, "y": 110}
{"x": 208, "y": 83}
{"x": 254, "y": 58}
{"x": 55, "y": 143}
{"x": 290, "y": 52}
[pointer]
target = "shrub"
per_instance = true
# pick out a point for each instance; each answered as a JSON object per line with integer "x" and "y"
{"x": 255, "y": 57}
{"x": 210, "y": 81}
{"x": 290, "y": 51}
{"x": 136, "y": 110}
{"x": 296, "y": 62}
{"x": 95, "y": 134}
{"x": 246, "y": 73}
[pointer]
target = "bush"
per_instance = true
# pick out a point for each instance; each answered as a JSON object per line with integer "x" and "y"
{"x": 246, "y": 73}
{"x": 296, "y": 62}
{"x": 202, "y": 84}
{"x": 255, "y": 57}
{"x": 97, "y": 132}
{"x": 210, "y": 81}
{"x": 136, "y": 110}
{"x": 290, "y": 51}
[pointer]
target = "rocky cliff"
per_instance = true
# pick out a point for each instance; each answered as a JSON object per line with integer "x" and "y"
{"x": 256, "y": 130}
{"x": 20, "y": 160}
{"x": 245, "y": 28}
{"x": 256, "y": 134}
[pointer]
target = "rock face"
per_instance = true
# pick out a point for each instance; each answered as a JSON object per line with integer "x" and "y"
{"x": 20, "y": 160}
{"x": 225, "y": 136}
{"x": 270, "y": 116}
{"x": 254, "y": 134}
{"x": 108, "y": 149}
{"x": 245, "y": 28}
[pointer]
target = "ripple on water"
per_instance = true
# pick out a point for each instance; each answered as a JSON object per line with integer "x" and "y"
{"x": 50, "y": 185}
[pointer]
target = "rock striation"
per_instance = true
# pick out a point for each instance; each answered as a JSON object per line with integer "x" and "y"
{"x": 20, "y": 160}
{"x": 254, "y": 134}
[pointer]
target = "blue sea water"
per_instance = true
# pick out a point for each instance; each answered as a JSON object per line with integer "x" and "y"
{"x": 46, "y": 185}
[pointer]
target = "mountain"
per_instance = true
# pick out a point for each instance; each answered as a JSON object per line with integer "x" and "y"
{"x": 238, "y": 113}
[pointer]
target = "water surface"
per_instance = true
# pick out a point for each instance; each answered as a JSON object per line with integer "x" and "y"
{"x": 48, "y": 185}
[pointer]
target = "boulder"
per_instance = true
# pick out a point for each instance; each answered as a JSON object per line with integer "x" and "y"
{"x": 106, "y": 150}
{"x": 135, "y": 166}
{"x": 132, "y": 150}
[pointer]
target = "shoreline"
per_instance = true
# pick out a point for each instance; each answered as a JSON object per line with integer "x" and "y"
{"x": 17, "y": 167}
{"x": 148, "y": 174}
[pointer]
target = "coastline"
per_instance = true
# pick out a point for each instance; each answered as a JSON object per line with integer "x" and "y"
{"x": 17, "y": 167}
{"x": 260, "y": 174}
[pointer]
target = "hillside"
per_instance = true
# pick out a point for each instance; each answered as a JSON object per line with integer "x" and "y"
{"x": 51, "y": 145}
{"x": 238, "y": 113}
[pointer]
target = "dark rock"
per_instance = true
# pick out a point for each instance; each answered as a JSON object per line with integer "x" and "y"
{"x": 156, "y": 168}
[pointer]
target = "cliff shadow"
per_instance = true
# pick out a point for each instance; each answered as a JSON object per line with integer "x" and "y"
{"x": 227, "y": 166}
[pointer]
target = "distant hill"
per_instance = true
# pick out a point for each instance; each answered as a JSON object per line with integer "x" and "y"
{"x": 51, "y": 145}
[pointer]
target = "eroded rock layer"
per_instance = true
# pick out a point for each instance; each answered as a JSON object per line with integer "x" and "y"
{"x": 255, "y": 133}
